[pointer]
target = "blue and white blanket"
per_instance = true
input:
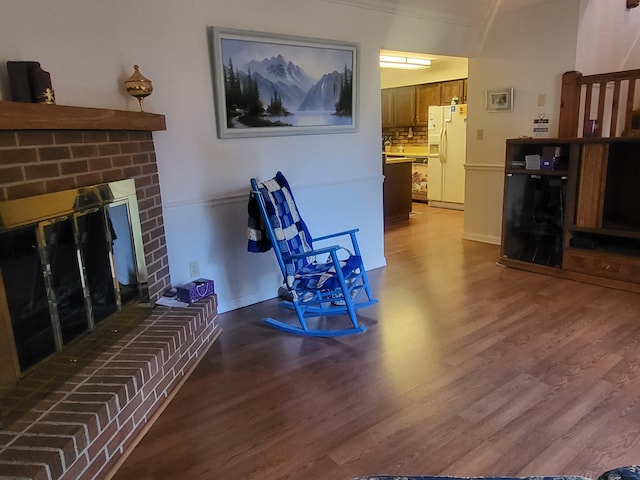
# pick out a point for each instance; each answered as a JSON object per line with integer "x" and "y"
{"x": 292, "y": 237}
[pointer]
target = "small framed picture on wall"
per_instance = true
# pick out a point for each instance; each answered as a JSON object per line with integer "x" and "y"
{"x": 500, "y": 100}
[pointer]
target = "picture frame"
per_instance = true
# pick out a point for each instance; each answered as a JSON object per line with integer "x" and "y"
{"x": 499, "y": 100}
{"x": 269, "y": 84}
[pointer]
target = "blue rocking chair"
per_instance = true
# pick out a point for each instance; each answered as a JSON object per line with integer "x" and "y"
{"x": 314, "y": 288}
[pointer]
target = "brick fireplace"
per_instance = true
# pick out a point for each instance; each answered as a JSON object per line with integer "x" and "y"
{"x": 78, "y": 413}
{"x": 37, "y": 160}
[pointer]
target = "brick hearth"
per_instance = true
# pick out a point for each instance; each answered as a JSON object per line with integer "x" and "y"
{"x": 77, "y": 414}
{"x": 80, "y": 411}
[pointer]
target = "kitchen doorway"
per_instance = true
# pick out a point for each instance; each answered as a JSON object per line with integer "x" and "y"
{"x": 423, "y": 114}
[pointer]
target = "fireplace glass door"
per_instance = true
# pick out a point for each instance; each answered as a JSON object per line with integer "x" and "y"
{"x": 95, "y": 237}
{"x": 26, "y": 294}
{"x": 68, "y": 261}
{"x": 124, "y": 252}
{"x": 66, "y": 286}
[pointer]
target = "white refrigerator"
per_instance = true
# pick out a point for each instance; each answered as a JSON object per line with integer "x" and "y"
{"x": 447, "y": 144}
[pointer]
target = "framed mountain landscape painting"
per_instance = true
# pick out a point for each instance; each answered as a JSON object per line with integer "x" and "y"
{"x": 267, "y": 84}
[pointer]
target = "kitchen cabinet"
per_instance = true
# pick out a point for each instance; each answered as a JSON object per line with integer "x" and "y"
{"x": 404, "y": 106}
{"x": 426, "y": 95}
{"x": 398, "y": 106}
{"x": 387, "y": 107}
{"x": 576, "y": 219}
{"x": 409, "y": 106}
{"x": 450, "y": 89}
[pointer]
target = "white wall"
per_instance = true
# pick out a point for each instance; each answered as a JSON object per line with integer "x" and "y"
{"x": 90, "y": 47}
{"x": 609, "y": 38}
{"x": 527, "y": 50}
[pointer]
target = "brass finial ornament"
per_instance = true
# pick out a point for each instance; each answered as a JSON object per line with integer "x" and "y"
{"x": 138, "y": 86}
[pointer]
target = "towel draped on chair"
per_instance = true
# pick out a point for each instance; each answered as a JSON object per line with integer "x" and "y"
{"x": 258, "y": 239}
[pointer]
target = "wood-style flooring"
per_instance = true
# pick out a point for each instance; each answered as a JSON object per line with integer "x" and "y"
{"x": 467, "y": 368}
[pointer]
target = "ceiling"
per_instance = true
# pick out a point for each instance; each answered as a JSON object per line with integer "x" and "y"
{"x": 459, "y": 12}
{"x": 464, "y": 12}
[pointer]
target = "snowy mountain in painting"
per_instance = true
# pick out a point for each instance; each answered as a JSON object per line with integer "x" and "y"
{"x": 297, "y": 89}
{"x": 279, "y": 70}
{"x": 324, "y": 95}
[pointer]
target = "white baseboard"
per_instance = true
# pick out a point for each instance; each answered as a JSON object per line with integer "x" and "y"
{"x": 449, "y": 205}
{"x": 481, "y": 238}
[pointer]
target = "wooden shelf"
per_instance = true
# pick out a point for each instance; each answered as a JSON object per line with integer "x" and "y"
{"x": 571, "y": 275}
{"x": 37, "y": 116}
{"x": 548, "y": 173}
{"x": 606, "y": 231}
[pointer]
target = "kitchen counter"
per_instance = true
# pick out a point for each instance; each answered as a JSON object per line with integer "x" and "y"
{"x": 393, "y": 159}
{"x": 397, "y": 170}
{"x": 397, "y": 188}
{"x": 409, "y": 152}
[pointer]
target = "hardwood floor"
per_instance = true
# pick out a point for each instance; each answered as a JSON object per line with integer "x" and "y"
{"x": 466, "y": 368}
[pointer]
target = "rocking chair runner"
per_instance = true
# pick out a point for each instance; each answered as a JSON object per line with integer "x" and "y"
{"x": 316, "y": 288}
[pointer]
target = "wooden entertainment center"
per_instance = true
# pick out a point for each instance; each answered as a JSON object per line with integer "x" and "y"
{"x": 572, "y": 204}
{"x": 579, "y": 220}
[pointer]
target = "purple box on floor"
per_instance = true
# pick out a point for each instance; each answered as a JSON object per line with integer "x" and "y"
{"x": 193, "y": 291}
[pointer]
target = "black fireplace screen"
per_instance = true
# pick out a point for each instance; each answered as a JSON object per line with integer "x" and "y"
{"x": 65, "y": 273}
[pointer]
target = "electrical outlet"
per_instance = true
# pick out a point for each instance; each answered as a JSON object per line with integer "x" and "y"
{"x": 194, "y": 269}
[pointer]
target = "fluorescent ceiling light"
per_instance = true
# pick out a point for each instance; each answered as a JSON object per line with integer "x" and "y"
{"x": 409, "y": 63}
{"x": 419, "y": 61}
{"x": 392, "y": 59}
{"x": 404, "y": 66}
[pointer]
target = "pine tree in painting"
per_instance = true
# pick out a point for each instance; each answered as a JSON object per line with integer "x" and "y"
{"x": 344, "y": 103}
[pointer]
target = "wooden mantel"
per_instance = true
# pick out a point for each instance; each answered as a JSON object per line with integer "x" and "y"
{"x": 37, "y": 116}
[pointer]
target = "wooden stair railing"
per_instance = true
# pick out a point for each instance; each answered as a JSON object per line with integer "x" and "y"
{"x": 601, "y": 105}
